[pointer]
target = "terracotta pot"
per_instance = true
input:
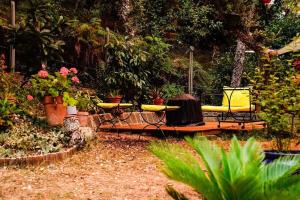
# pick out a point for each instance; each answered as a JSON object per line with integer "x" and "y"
{"x": 55, "y": 113}
{"x": 115, "y": 99}
{"x": 48, "y": 100}
{"x": 266, "y": 1}
{"x": 158, "y": 101}
{"x": 55, "y": 110}
{"x": 171, "y": 35}
{"x": 59, "y": 99}
{"x": 83, "y": 118}
{"x": 12, "y": 100}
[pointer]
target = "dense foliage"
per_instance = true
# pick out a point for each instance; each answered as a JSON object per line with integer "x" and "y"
{"x": 134, "y": 65}
{"x": 235, "y": 174}
{"x": 31, "y": 136}
{"x": 278, "y": 95}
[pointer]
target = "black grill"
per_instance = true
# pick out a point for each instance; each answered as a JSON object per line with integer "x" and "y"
{"x": 189, "y": 114}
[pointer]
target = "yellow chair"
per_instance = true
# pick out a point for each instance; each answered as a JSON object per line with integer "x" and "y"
{"x": 235, "y": 100}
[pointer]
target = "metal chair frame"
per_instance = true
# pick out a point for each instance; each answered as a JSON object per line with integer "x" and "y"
{"x": 116, "y": 113}
{"x": 225, "y": 116}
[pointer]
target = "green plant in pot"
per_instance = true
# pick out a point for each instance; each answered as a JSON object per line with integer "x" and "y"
{"x": 114, "y": 96}
{"x": 84, "y": 105}
{"x": 71, "y": 103}
{"x": 278, "y": 95}
{"x": 156, "y": 96}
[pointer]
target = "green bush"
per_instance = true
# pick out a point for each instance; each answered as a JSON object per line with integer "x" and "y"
{"x": 7, "y": 110}
{"x": 281, "y": 30}
{"x": 40, "y": 33}
{"x": 196, "y": 23}
{"x": 30, "y": 136}
{"x": 237, "y": 174}
{"x": 133, "y": 65}
{"x": 171, "y": 90}
{"x": 279, "y": 97}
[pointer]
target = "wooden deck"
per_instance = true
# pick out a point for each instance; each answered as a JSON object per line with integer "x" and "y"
{"x": 208, "y": 127}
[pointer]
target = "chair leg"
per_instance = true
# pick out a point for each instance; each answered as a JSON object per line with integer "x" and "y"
{"x": 219, "y": 125}
{"x": 243, "y": 125}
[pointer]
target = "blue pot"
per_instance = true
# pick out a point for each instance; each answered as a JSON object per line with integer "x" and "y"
{"x": 271, "y": 155}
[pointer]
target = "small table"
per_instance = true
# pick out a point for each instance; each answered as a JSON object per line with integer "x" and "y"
{"x": 116, "y": 110}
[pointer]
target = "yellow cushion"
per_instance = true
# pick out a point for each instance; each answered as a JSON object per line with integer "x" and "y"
{"x": 114, "y": 105}
{"x": 238, "y": 97}
{"x": 226, "y": 109}
{"x": 157, "y": 108}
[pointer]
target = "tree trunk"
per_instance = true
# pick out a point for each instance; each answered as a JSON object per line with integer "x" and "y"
{"x": 124, "y": 11}
{"x": 239, "y": 60}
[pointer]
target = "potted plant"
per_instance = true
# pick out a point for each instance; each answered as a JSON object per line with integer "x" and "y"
{"x": 84, "y": 105}
{"x": 51, "y": 90}
{"x": 114, "y": 96}
{"x": 71, "y": 103}
{"x": 155, "y": 96}
{"x": 279, "y": 98}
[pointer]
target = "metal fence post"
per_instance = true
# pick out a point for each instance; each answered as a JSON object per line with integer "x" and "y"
{"x": 12, "y": 48}
{"x": 191, "y": 70}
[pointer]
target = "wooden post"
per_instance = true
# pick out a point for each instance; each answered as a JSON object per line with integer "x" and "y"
{"x": 191, "y": 70}
{"x": 107, "y": 41}
{"x": 12, "y": 48}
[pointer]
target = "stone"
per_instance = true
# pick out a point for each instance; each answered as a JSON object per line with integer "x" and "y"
{"x": 71, "y": 124}
{"x": 88, "y": 133}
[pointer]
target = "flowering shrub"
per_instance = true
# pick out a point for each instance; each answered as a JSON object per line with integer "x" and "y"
{"x": 296, "y": 64}
{"x": 9, "y": 84}
{"x": 57, "y": 84}
{"x": 7, "y": 110}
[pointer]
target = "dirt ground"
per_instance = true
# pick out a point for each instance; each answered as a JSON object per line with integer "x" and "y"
{"x": 111, "y": 168}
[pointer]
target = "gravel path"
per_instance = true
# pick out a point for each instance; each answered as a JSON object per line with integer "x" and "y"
{"x": 111, "y": 168}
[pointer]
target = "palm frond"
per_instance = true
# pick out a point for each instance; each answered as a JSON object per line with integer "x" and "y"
{"x": 180, "y": 165}
{"x": 239, "y": 174}
{"x": 281, "y": 167}
{"x": 211, "y": 156}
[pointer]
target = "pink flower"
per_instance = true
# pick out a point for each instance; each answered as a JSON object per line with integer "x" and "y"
{"x": 75, "y": 79}
{"x": 74, "y": 70}
{"x": 43, "y": 74}
{"x": 64, "y": 71}
{"x": 297, "y": 62}
{"x": 29, "y": 97}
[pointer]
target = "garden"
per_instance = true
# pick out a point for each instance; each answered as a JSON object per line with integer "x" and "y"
{"x": 150, "y": 99}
